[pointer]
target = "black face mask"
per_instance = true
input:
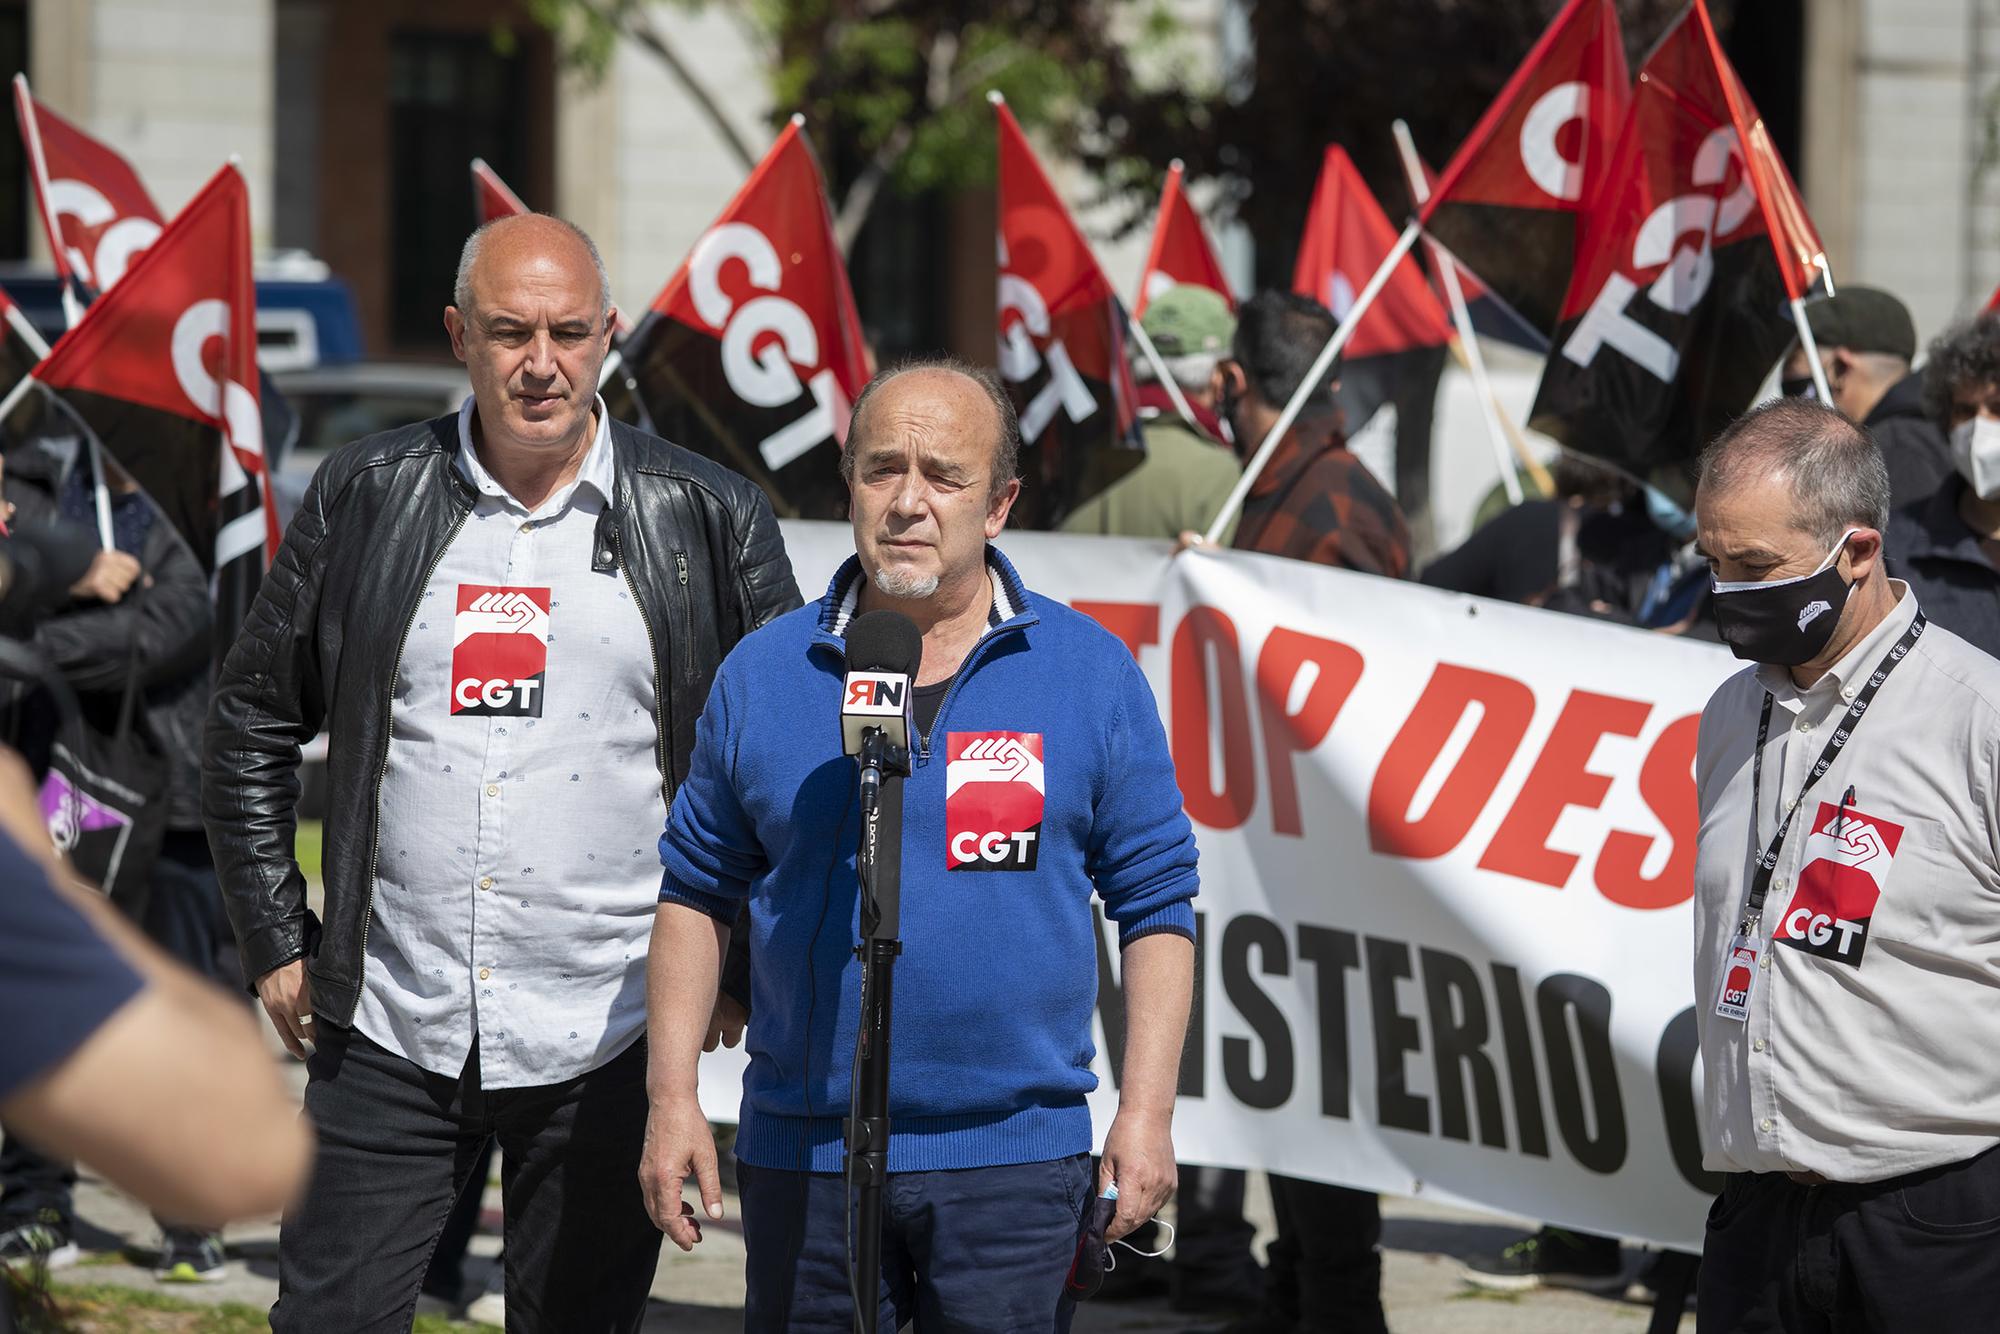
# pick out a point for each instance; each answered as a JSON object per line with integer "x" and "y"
{"x": 1783, "y": 622}
{"x": 1802, "y": 387}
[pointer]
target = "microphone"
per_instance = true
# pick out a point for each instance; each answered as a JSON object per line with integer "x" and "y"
{"x": 883, "y": 650}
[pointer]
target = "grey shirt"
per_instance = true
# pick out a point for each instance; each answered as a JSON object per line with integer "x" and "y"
{"x": 1874, "y": 1010}
{"x": 516, "y": 879}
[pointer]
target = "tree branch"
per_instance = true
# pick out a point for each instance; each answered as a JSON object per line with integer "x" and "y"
{"x": 640, "y": 29}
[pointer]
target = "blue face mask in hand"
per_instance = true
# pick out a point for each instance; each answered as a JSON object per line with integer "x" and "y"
{"x": 1093, "y": 1258}
{"x": 1667, "y": 515}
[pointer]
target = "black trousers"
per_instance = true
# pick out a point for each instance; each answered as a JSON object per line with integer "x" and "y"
{"x": 1914, "y": 1253}
{"x": 397, "y": 1145}
{"x": 1324, "y": 1268}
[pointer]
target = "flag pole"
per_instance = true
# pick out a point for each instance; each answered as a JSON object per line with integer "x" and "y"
{"x": 1159, "y": 366}
{"x": 1314, "y": 379}
{"x": 24, "y": 106}
{"x": 1811, "y": 345}
{"x": 1461, "y": 318}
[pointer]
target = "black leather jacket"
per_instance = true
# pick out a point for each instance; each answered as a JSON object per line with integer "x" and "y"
{"x": 696, "y": 542}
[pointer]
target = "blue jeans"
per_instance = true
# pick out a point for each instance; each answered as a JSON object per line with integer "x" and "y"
{"x": 984, "y": 1248}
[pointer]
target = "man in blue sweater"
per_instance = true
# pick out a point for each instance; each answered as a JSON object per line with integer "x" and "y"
{"x": 1031, "y": 720}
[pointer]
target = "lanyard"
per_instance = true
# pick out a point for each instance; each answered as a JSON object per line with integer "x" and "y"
{"x": 1767, "y": 862}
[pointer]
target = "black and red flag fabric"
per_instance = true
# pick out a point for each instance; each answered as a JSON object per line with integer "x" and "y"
{"x": 1508, "y": 201}
{"x": 1397, "y": 351}
{"x": 1181, "y": 252}
{"x": 490, "y": 196}
{"x": 1491, "y": 317}
{"x": 1062, "y": 344}
{"x": 162, "y": 369}
{"x": 98, "y": 212}
{"x": 1691, "y": 255}
{"x": 753, "y": 352}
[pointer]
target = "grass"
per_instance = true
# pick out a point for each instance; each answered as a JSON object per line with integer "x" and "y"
{"x": 106, "y": 1308}
{"x": 310, "y": 844}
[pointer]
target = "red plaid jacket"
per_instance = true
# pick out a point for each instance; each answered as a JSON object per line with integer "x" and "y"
{"x": 1320, "y": 503}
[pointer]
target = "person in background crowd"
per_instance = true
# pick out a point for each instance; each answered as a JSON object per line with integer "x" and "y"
{"x": 506, "y": 618}
{"x": 990, "y": 1134}
{"x": 1847, "y": 993}
{"x": 144, "y": 598}
{"x": 1188, "y": 469}
{"x": 1589, "y": 550}
{"x": 1946, "y": 546}
{"x": 1314, "y": 500}
{"x": 1866, "y": 341}
{"x": 119, "y": 1056}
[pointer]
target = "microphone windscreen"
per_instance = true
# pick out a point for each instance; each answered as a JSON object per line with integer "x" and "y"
{"x": 884, "y": 641}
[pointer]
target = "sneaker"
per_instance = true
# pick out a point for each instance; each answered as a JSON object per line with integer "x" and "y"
{"x": 43, "y": 1240}
{"x": 1554, "y": 1258}
{"x": 489, "y": 1309}
{"x": 188, "y": 1255}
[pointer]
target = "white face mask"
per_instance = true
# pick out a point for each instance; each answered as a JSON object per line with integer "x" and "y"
{"x": 1975, "y": 452}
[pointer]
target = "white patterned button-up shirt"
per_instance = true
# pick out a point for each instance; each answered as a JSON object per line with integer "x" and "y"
{"x": 515, "y": 879}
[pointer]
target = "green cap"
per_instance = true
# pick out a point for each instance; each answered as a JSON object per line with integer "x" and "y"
{"x": 1866, "y": 319}
{"x": 1186, "y": 320}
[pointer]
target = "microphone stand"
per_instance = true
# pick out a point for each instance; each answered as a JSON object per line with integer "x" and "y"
{"x": 879, "y": 865}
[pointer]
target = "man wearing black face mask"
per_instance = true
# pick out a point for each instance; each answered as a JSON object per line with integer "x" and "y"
{"x": 1866, "y": 341}
{"x": 1847, "y": 993}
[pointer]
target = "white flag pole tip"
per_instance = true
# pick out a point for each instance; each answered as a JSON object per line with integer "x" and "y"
{"x": 996, "y": 97}
{"x": 799, "y": 119}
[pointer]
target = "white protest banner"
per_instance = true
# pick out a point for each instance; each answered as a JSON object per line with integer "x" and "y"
{"x": 1447, "y": 850}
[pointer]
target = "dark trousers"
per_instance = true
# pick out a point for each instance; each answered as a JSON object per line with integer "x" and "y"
{"x": 984, "y": 1248}
{"x": 1916, "y": 1252}
{"x": 397, "y": 1145}
{"x": 31, "y": 1182}
{"x": 1324, "y": 1268}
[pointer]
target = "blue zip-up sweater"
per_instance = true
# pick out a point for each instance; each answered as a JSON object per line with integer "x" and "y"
{"x": 991, "y": 1047}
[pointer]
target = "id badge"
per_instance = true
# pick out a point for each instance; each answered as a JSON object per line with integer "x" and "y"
{"x": 1739, "y": 979}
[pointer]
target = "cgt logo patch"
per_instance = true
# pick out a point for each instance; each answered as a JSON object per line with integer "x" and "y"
{"x": 1843, "y": 876}
{"x": 499, "y": 651}
{"x": 993, "y": 793}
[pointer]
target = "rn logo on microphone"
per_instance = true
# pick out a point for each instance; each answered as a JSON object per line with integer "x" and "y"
{"x": 993, "y": 793}
{"x": 499, "y": 651}
{"x": 875, "y": 694}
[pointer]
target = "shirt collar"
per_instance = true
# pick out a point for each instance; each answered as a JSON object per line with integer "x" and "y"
{"x": 596, "y": 471}
{"x": 843, "y": 595}
{"x": 1857, "y": 663}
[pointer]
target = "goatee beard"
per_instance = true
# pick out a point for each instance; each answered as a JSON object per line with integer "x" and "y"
{"x": 905, "y": 585}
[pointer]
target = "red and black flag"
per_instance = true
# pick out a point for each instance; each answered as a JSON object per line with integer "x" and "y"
{"x": 490, "y": 196}
{"x": 1181, "y": 252}
{"x": 162, "y": 369}
{"x": 1062, "y": 344}
{"x": 1508, "y": 202}
{"x": 1397, "y": 351}
{"x": 752, "y": 353}
{"x": 97, "y": 212}
{"x": 1691, "y": 255}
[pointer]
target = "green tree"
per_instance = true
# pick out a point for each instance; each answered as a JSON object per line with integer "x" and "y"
{"x": 893, "y": 91}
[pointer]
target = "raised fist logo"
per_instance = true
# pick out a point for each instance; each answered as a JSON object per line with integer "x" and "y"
{"x": 996, "y": 759}
{"x": 1857, "y": 843}
{"x": 500, "y": 613}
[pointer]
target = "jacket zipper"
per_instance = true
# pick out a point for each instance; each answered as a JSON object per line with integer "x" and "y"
{"x": 958, "y": 679}
{"x": 684, "y": 651}
{"x": 382, "y": 769}
{"x": 660, "y": 725}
